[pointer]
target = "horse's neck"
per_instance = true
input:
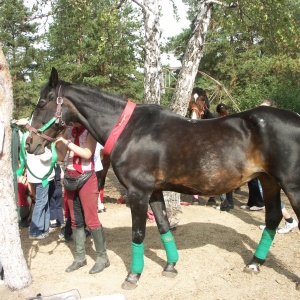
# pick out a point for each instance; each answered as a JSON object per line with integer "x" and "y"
{"x": 96, "y": 111}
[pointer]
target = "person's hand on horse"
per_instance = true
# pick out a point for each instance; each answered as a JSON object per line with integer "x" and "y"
{"x": 21, "y": 122}
{"x": 60, "y": 139}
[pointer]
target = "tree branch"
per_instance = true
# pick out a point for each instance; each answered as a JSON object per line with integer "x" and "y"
{"x": 146, "y": 9}
{"x": 232, "y": 4}
{"x": 140, "y": 4}
{"x": 120, "y": 4}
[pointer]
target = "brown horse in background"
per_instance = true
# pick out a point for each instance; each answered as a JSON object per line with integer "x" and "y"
{"x": 199, "y": 106}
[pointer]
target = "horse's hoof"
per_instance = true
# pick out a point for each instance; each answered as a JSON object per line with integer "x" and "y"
{"x": 126, "y": 285}
{"x": 131, "y": 282}
{"x": 169, "y": 270}
{"x": 252, "y": 269}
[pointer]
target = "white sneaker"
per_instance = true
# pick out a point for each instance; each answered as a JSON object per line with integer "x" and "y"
{"x": 256, "y": 208}
{"x": 262, "y": 227}
{"x": 287, "y": 227}
{"x": 245, "y": 207}
{"x": 101, "y": 207}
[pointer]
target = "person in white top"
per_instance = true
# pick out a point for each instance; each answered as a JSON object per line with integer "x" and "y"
{"x": 98, "y": 169}
{"x": 37, "y": 167}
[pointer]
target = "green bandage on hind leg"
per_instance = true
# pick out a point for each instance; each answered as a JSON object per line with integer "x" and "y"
{"x": 265, "y": 243}
{"x": 137, "y": 263}
{"x": 170, "y": 247}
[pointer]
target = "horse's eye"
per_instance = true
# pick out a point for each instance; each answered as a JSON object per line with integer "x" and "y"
{"x": 42, "y": 102}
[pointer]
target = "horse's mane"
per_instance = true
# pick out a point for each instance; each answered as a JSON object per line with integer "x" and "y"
{"x": 95, "y": 93}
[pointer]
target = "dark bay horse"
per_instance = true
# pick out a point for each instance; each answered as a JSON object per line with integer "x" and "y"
{"x": 156, "y": 152}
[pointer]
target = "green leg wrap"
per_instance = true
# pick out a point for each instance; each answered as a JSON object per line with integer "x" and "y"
{"x": 137, "y": 263}
{"x": 170, "y": 247}
{"x": 265, "y": 243}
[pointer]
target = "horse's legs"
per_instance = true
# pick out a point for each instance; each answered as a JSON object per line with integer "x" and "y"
{"x": 273, "y": 216}
{"x": 101, "y": 177}
{"x": 138, "y": 202}
{"x": 159, "y": 210}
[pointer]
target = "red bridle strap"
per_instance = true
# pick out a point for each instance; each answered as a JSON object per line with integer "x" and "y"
{"x": 44, "y": 136}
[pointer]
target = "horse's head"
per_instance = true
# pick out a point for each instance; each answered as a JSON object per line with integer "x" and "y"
{"x": 199, "y": 104}
{"x": 49, "y": 116}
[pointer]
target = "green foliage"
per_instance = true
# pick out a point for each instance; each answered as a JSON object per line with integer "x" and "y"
{"x": 27, "y": 93}
{"x": 270, "y": 77}
{"x": 252, "y": 48}
{"x": 91, "y": 42}
{"x": 17, "y": 36}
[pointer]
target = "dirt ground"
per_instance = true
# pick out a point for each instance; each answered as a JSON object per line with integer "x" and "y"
{"x": 213, "y": 249}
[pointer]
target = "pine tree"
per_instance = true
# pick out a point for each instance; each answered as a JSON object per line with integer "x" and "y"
{"x": 18, "y": 36}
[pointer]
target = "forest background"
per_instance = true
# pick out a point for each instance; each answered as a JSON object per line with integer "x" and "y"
{"x": 251, "y": 49}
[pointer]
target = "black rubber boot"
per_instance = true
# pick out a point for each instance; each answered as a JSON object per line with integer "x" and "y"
{"x": 102, "y": 261}
{"x": 211, "y": 201}
{"x": 227, "y": 203}
{"x": 79, "y": 246}
{"x": 24, "y": 214}
{"x": 230, "y": 199}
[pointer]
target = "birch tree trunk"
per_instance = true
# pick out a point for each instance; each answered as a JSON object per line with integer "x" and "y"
{"x": 153, "y": 76}
{"x": 192, "y": 58}
{"x": 16, "y": 272}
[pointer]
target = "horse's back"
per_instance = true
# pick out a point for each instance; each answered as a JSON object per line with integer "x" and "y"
{"x": 175, "y": 151}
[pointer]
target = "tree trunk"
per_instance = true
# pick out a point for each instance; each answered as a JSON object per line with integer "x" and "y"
{"x": 153, "y": 77}
{"x": 16, "y": 272}
{"x": 191, "y": 58}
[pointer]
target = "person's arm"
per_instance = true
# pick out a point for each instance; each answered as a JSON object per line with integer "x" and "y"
{"x": 61, "y": 147}
{"x": 85, "y": 153}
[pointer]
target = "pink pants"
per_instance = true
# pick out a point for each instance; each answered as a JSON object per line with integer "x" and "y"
{"x": 85, "y": 207}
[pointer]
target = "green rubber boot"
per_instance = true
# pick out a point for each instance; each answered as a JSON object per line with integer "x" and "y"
{"x": 102, "y": 261}
{"x": 79, "y": 246}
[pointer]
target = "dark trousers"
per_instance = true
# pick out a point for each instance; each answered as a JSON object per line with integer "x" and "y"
{"x": 79, "y": 218}
{"x": 255, "y": 197}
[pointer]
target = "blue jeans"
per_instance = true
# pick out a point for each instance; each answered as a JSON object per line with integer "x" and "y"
{"x": 56, "y": 202}
{"x": 40, "y": 220}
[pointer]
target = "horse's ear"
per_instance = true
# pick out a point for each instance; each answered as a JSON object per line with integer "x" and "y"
{"x": 53, "y": 78}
